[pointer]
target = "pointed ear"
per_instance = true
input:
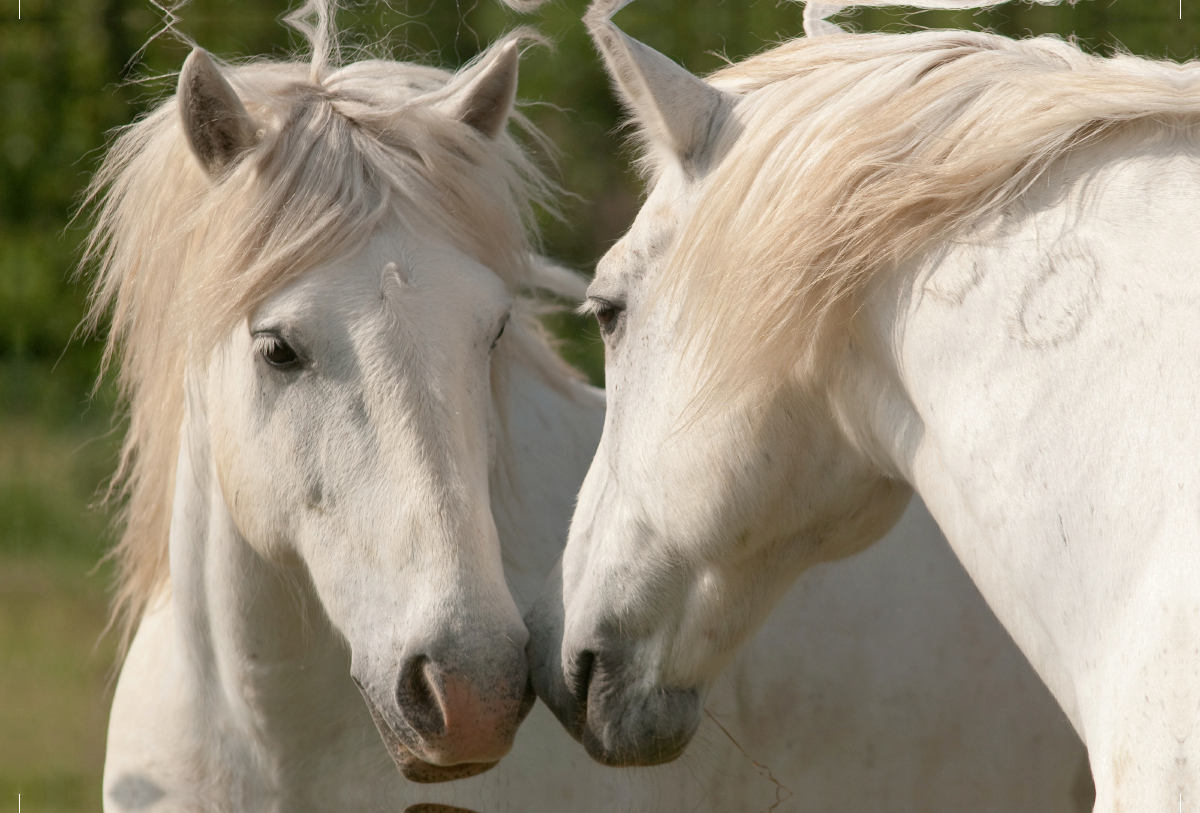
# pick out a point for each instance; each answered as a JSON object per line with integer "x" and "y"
{"x": 676, "y": 109}
{"x": 486, "y": 97}
{"x": 216, "y": 124}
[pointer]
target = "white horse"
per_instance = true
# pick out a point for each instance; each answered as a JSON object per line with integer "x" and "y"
{"x": 310, "y": 271}
{"x": 945, "y": 261}
{"x": 335, "y": 462}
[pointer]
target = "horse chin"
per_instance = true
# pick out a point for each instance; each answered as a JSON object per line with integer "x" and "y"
{"x": 649, "y": 730}
{"x": 418, "y": 770}
{"x": 412, "y": 767}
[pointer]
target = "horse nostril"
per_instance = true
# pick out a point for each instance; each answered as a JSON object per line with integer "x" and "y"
{"x": 417, "y": 697}
{"x": 581, "y": 677}
{"x": 529, "y": 698}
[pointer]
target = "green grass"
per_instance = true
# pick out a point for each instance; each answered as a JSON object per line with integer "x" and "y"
{"x": 54, "y": 683}
{"x": 54, "y": 667}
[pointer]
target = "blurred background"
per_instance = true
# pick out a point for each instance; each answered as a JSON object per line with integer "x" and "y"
{"x": 72, "y": 70}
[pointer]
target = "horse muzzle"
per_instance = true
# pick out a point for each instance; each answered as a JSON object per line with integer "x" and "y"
{"x": 440, "y": 724}
{"x": 600, "y": 701}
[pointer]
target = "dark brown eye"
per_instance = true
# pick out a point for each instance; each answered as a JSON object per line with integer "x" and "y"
{"x": 607, "y": 314}
{"x": 277, "y": 352}
{"x": 496, "y": 340}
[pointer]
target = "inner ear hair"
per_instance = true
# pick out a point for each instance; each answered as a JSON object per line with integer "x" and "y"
{"x": 673, "y": 107}
{"x": 217, "y": 126}
{"x": 486, "y": 100}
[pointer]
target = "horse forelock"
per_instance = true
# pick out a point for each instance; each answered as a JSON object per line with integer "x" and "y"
{"x": 849, "y": 154}
{"x": 181, "y": 258}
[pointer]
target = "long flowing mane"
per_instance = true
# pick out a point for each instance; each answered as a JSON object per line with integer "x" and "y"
{"x": 181, "y": 258}
{"x": 848, "y": 154}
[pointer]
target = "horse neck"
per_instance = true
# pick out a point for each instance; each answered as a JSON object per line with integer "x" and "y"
{"x": 1047, "y": 426}
{"x": 551, "y": 435}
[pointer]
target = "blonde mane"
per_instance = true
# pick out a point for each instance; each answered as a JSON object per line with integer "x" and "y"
{"x": 848, "y": 154}
{"x": 182, "y": 258}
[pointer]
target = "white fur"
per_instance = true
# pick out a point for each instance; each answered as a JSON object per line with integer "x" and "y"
{"x": 236, "y": 692}
{"x": 1057, "y": 453}
{"x": 870, "y": 656}
{"x": 987, "y": 304}
{"x": 292, "y": 506}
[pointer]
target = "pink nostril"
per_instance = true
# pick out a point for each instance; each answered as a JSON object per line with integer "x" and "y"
{"x": 418, "y": 698}
{"x": 461, "y": 709}
{"x": 454, "y": 721}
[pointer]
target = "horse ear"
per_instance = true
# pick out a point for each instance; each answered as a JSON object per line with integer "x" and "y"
{"x": 674, "y": 107}
{"x": 216, "y": 124}
{"x": 486, "y": 98}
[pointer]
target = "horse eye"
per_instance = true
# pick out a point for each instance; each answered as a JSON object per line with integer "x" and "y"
{"x": 496, "y": 340}
{"x": 277, "y": 352}
{"x": 606, "y": 315}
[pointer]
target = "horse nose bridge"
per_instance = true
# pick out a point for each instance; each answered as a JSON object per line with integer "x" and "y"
{"x": 482, "y": 653}
{"x": 437, "y": 441}
{"x": 613, "y": 594}
{"x": 463, "y": 604}
{"x": 444, "y": 528}
{"x": 452, "y": 637}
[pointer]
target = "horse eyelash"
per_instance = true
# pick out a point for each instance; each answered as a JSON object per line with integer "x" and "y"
{"x": 592, "y": 305}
